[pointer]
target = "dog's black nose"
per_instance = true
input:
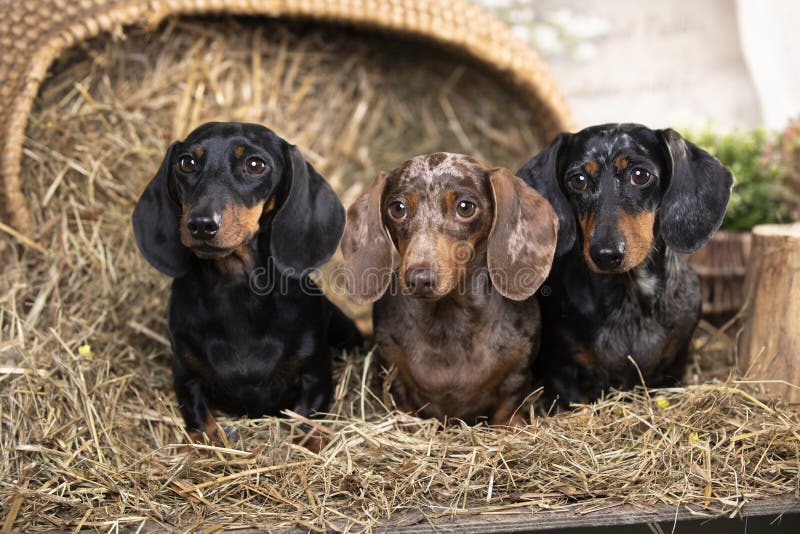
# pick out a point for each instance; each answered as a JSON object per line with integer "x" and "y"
{"x": 421, "y": 281}
{"x": 203, "y": 226}
{"x": 607, "y": 258}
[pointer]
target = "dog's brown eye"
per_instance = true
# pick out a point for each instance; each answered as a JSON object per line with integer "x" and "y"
{"x": 641, "y": 176}
{"x": 255, "y": 165}
{"x": 465, "y": 209}
{"x": 578, "y": 182}
{"x": 397, "y": 210}
{"x": 187, "y": 164}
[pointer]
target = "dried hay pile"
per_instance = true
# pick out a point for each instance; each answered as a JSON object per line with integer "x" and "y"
{"x": 89, "y": 437}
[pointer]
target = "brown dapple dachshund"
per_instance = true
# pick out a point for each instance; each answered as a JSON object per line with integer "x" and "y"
{"x": 457, "y": 319}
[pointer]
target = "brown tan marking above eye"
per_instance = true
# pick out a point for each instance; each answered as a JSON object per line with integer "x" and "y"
{"x": 238, "y": 152}
{"x": 592, "y": 168}
{"x": 198, "y": 152}
{"x": 621, "y": 163}
{"x": 448, "y": 200}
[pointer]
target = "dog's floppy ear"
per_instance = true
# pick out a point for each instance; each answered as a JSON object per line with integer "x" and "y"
{"x": 156, "y": 224}
{"x": 697, "y": 196}
{"x": 523, "y": 237}
{"x": 542, "y": 173}
{"x": 367, "y": 250}
{"x": 308, "y": 225}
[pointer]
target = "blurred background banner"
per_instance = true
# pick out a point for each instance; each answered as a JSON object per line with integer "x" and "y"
{"x": 721, "y": 63}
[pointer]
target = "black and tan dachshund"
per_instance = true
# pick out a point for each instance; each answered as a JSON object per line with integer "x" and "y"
{"x": 458, "y": 319}
{"x": 629, "y": 199}
{"x": 238, "y": 218}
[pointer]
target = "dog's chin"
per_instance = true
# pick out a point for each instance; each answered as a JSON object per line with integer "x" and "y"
{"x": 623, "y": 268}
{"x": 598, "y": 270}
{"x": 209, "y": 252}
{"x": 427, "y": 296}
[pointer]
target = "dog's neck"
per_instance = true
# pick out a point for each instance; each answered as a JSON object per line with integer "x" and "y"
{"x": 239, "y": 262}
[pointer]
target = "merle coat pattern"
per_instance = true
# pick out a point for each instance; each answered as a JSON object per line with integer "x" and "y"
{"x": 457, "y": 319}
{"x": 629, "y": 200}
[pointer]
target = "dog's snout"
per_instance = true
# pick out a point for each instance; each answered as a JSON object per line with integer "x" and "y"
{"x": 607, "y": 256}
{"x": 421, "y": 281}
{"x": 203, "y": 226}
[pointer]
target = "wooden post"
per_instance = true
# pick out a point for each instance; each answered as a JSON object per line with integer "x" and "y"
{"x": 769, "y": 347}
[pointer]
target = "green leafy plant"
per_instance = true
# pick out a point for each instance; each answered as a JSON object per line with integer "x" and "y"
{"x": 784, "y": 152}
{"x": 758, "y": 189}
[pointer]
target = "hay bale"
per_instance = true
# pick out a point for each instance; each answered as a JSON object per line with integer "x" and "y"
{"x": 89, "y": 435}
{"x": 31, "y": 42}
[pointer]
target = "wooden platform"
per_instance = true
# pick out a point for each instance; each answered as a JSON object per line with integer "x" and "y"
{"x": 585, "y": 516}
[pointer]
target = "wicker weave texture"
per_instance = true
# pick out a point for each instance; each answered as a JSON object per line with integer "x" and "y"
{"x": 34, "y": 32}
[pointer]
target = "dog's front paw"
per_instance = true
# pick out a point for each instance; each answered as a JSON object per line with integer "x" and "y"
{"x": 313, "y": 440}
{"x": 214, "y": 434}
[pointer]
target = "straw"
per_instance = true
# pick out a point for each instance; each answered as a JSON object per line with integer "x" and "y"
{"x": 91, "y": 435}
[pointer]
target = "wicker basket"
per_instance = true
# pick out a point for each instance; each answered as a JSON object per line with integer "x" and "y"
{"x": 34, "y": 33}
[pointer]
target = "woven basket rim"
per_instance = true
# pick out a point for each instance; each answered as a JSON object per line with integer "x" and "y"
{"x": 30, "y": 43}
